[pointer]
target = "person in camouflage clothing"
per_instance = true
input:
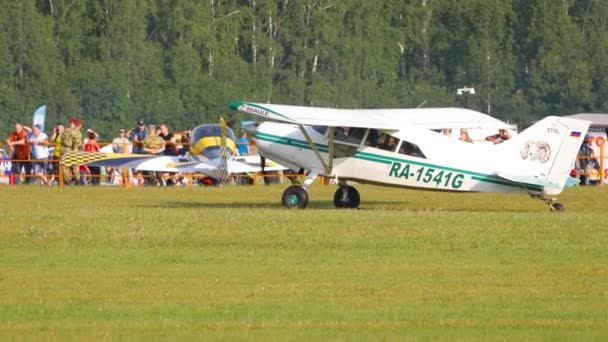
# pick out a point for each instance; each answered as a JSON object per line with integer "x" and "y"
{"x": 71, "y": 140}
{"x": 154, "y": 144}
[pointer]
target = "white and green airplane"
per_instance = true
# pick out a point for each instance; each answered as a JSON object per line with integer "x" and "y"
{"x": 397, "y": 148}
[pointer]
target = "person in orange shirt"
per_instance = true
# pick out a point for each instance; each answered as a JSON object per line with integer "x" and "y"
{"x": 21, "y": 153}
{"x": 92, "y": 146}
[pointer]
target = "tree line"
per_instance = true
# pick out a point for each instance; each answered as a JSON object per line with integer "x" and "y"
{"x": 183, "y": 61}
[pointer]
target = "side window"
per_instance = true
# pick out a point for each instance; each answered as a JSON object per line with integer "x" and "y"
{"x": 349, "y": 135}
{"x": 410, "y": 149}
{"x": 381, "y": 141}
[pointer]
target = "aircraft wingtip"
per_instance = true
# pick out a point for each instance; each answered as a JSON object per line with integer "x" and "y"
{"x": 236, "y": 104}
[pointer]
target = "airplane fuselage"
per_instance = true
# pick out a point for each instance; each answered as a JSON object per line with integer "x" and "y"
{"x": 360, "y": 159}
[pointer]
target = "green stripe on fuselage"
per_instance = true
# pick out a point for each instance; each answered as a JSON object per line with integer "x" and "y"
{"x": 377, "y": 158}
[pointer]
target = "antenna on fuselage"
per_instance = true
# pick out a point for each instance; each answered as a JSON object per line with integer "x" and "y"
{"x": 423, "y": 103}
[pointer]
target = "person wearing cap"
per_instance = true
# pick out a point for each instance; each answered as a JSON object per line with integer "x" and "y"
{"x": 137, "y": 135}
{"x": 56, "y": 142}
{"x": 120, "y": 144}
{"x": 71, "y": 140}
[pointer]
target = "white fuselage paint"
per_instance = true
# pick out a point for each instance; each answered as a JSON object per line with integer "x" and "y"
{"x": 450, "y": 165}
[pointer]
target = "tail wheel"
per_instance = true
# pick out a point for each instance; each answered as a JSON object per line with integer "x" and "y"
{"x": 347, "y": 197}
{"x": 556, "y": 207}
{"x": 295, "y": 197}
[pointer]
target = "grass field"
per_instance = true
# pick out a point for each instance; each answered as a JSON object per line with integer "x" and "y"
{"x": 230, "y": 263}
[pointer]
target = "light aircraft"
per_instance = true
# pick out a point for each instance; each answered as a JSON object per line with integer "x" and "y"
{"x": 212, "y": 152}
{"x": 395, "y": 147}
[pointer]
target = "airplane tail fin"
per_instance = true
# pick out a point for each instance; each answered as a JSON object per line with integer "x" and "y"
{"x": 547, "y": 148}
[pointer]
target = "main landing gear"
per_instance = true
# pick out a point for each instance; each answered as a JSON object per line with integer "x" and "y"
{"x": 551, "y": 202}
{"x": 296, "y": 196}
{"x": 347, "y": 197}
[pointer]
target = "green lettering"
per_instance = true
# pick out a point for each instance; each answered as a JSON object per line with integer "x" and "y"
{"x": 448, "y": 176}
{"x": 405, "y": 173}
{"x": 428, "y": 175}
{"x": 395, "y": 169}
{"x": 437, "y": 178}
{"x": 457, "y": 182}
{"x": 419, "y": 172}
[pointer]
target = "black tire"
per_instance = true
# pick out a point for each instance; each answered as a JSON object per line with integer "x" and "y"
{"x": 295, "y": 197}
{"x": 557, "y": 207}
{"x": 352, "y": 199}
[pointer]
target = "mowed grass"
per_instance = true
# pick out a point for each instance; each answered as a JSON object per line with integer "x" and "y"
{"x": 230, "y": 263}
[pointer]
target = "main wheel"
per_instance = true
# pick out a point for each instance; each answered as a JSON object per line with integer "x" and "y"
{"x": 350, "y": 199}
{"x": 557, "y": 207}
{"x": 295, "y": 197}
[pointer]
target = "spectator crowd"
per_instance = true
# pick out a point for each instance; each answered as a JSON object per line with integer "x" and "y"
{"x": 36, "y": 157}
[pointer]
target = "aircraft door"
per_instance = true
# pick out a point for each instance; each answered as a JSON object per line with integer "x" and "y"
{"x": 347, "y": 141}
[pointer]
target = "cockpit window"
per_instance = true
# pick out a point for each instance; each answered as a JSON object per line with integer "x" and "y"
{"x": 381, "y": 141}
{"x": 410, "y": 149}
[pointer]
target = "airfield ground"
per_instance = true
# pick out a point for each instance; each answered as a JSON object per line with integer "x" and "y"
{"x": 230, "y": 263}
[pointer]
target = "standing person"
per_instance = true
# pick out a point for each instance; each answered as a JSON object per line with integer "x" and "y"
{"x": 585, "y": 161}
{"x": 242, "y": 145}
{"x": 137, "y": 135}
{"x": 56, "y": 142}
{"x": 20, "y": 152}
{"x": 120, "y": 144}
{"x": 92, "y": 146}
{"x": 71, "y": 140}
{"x": 169, "y": 138}
{"x": 39, "y": 142}
{"x": 170, "y": 150}
{"x": 155, "y": 145}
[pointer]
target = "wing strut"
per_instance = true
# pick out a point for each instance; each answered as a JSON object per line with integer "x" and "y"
{"x": 327, "y": 166}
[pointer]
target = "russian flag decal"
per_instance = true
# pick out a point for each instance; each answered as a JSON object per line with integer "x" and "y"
{"x": 575, "y": 134}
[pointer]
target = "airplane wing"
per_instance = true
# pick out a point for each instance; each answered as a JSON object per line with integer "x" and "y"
{"x": 388, "y": 119}
{"x": 133, "y": 161}
{"x": 141, "y": 162}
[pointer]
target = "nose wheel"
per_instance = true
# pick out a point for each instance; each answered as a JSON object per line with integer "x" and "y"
{"x": 347, "y": 197}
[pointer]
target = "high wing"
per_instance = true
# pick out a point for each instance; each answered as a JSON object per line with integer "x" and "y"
{"x": 387, "y": 119}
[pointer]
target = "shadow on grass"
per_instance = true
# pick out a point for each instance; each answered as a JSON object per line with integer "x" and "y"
{"x": 320, "y": 204}
{"x": 411, "y": 206}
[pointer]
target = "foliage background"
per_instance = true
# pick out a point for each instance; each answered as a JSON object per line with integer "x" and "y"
{"x": 184, "y": 61}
